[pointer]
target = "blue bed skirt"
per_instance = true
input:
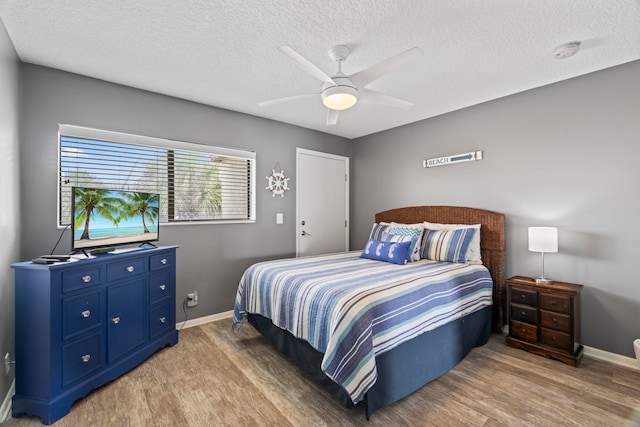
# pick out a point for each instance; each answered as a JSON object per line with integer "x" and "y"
{"x": 402, "y": 370}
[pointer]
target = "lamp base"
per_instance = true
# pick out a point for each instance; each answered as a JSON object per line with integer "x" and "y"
{"x": 542, "y": 280}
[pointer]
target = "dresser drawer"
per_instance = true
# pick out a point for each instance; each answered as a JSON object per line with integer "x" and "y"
{"x": 557, "y": 303}
{"x": 80, "y": 359}
{"x": 524, "y": 313}
{"x": 523, "y": 330}
{"x": 160, "y": 320}
{"x": 552, "y": 320}
{"x": 159, "y": 261}
{"x": 80, "y": 314}
{"x": 132, "y": 267}
{"x": 559, "y": 340}
{"x": 524, "y": 296}
{"x": 80, "y": 278}
{"x": 160, "y": 287}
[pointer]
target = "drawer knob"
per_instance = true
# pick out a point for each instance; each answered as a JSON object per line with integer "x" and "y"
{"x": 163, "y": 319}
{"x": 163, "y": 287}
{"x": 86, "y": 279}
{"x": 554, "y": 339}
{"x": 86, "y": 358}
{"x": 522, "y": 296}
{"x": 554, "y": 320}
{"x": 130, "y": 269}
{"x": 86, "y": 313}
{"x": 523, "y": 330}
{"x": 163, "y": 261}
{"x": 116, "y": 320}
{"x": 554, "y": 302}
{"x": 524, "y": 313}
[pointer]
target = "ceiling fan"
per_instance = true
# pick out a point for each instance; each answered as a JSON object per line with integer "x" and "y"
{"x": 341, "y": 92}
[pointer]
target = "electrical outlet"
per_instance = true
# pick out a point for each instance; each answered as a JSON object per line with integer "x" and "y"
{"x": 192, "y": 299}
{"x": 7, "y": 364}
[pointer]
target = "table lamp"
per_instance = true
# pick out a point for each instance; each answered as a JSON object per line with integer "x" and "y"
{"x": 543, "y": 239}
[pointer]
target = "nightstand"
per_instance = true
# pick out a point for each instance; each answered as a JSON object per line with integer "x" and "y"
{"x": 544, "y": 319}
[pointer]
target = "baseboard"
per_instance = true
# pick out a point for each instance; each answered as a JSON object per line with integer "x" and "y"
{"x": 5, "y": 409}
{"x": 616, "y": 359}
{"x": 605, "y": 356}
{"x": 206, "y": 319}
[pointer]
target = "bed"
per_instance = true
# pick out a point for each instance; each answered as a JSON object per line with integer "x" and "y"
{"x": 377, "y": 344}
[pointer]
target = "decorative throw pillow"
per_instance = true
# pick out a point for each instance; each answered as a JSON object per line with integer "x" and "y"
{"x": 473, "y": 253}
{"x": 387, "y": 237}
{"x": 394, "y": 252}
{"x": 411, "y": 230}
{"x": 446, "y": 245}
{"x": 378, "y": 229}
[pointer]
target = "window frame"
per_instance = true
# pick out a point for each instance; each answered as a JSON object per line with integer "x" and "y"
{"x": 163, "y": 143}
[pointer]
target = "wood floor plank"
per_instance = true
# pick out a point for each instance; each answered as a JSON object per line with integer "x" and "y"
{"x": 217, "y": 377}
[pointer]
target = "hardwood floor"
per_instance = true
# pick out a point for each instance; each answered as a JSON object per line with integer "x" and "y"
{"x": 215, "y": 376}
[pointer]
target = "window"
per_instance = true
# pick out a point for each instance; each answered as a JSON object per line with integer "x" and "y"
{"x": 196, "y": 182}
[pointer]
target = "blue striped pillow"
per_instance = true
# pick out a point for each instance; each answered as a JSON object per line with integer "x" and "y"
{"x": 377, "y": 230}
{"x": 446, "y": 245}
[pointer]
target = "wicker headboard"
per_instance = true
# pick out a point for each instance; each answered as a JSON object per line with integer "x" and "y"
{"x": 492, "y": 240}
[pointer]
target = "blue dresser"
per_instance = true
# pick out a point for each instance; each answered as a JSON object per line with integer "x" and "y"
{"x": 83, "y": 323}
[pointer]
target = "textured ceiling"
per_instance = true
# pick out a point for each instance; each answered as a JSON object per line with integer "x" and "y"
{"x": 225, "y": 53}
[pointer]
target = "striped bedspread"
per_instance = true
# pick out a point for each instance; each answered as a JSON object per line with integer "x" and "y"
{"x": 352, "y": 309}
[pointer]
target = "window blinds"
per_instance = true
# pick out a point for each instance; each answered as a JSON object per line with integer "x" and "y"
{"x": 195, "y": 182}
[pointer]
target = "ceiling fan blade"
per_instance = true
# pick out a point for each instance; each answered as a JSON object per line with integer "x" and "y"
{"x": 373, "y": 96}
{"x": 306, "y": 65}
{"x": 368, "y": 75}
{"x": 286, "y": 99}
{"x": 332, "y": 116}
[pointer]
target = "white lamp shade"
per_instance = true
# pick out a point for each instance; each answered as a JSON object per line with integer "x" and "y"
{"x": 543, "y": 239}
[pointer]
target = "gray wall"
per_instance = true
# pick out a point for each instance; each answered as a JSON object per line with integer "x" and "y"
{"x": 564, "y": 155}
{"x": 211, "y": 258}
{"x": 9, "y": 214}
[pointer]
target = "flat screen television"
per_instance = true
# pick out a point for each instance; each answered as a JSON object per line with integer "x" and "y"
{"x": 103, "y": 218}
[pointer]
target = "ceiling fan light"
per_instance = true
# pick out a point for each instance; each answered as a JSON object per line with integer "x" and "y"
{"x": 340, "y": 97}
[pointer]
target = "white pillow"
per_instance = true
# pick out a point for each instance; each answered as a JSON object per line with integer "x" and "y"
{"x": 473, "y": 255}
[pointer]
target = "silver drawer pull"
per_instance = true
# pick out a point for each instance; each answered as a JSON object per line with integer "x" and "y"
{"x": 130, "y": 269}
{"x": 163, "y": 287}
{"x": 86, "y": 313}
{"x": 116, "y": 320}
{"x": 86, "y": 358}
{"x": 86, "y": 279}
{"x": 163, "y": 319}
{"x": 163, "y": 261}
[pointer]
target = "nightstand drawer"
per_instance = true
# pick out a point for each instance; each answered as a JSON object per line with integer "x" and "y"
{"x": 556, "y": 339}
{"x": 559, "y": 322}
{"x": 132, "y": 267}
{"x": 557, "y": 303}
{"x": 523, "y": 330}
{"x": 524, "y": 296}
{"x": 524, "y": 313}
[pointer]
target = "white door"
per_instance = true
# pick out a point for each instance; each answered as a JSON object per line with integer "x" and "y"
{"x": 322, "y": 203}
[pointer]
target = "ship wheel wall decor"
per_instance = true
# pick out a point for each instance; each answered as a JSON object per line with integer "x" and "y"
{"x": 278, "y": 182}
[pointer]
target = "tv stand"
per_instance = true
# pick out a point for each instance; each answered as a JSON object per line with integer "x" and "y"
{"x": 147, "y": 243}
{"x": 100, "y": 251}
{"x": 84, "y": 323}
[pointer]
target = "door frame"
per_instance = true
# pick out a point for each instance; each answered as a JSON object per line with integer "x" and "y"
{"x": 304, "y": 151}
